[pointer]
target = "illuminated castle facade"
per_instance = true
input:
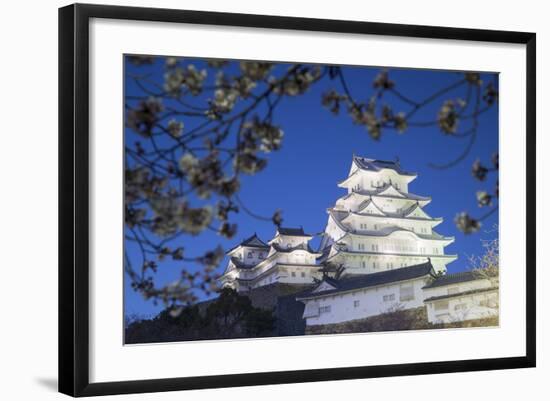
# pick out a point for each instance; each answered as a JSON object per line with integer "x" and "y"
{"x": 379, "y": 252}
{"x": 379, "y": 225}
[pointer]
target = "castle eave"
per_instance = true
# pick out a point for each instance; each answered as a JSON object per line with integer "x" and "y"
{"x": 339, "y": 252}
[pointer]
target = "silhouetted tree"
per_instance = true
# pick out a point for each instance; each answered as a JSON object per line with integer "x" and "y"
{"x": 229, "y": 316}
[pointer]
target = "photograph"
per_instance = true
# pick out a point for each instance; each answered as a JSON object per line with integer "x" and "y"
{"x": 277, "y": 198}
{"x": 274, "y": 201}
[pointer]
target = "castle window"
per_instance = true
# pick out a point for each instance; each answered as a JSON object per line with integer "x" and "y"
{"x": 406, "y": 293}
{"x": 441, "y": 305}
{"x": 303, "y": 274}
{"x": 249, "y": 255}
{"x": 363, "y": 264}
{"x": 388, "y": 298}
{"x": 442, "y": 317}
{"x": 324, "y": 309}
{"x": 293, "y": 274}
{"x": 356, "y": 304}
{"x": 460, "y": 307}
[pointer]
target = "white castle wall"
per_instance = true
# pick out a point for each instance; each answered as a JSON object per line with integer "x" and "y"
{"x": 465, "y": 307}
{"x": 371, "y": 301}
{"x": 372, "y": 180}
{"x": 251, "y": 255}
{"x": 290, "y": 241}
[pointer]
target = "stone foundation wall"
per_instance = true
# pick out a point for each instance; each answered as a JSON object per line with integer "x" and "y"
{"x": 266, "y": 297}
{"x": 411, "y": 319}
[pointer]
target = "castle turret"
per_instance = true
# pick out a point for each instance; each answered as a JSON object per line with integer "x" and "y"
{"x": 287, "y": 258}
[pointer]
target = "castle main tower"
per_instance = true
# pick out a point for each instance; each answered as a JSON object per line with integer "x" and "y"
{"x": 379, "y": 225}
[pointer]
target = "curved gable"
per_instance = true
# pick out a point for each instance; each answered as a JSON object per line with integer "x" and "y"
{"x": 323, "y": 286}
{"x": 418, "y": 213}
{"x": 391, "y": 191}
{"x": 403, "y": 233}
{"x": 368, "y": 207}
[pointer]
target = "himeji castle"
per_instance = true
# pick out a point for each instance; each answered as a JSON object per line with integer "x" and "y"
{"x": 379, "y": 252}
{"x": 379, "y": 225}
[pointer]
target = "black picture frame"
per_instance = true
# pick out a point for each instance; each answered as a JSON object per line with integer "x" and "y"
{"x": 74, "y": 198}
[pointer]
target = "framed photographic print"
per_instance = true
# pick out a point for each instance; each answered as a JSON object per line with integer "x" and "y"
{"x": 291, "y": 198}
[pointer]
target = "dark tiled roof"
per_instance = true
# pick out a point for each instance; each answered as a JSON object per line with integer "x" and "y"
{"x": 332, "y": 281}
{"x": 373, "y": 279}
{"x": 377, "y": 165}
{"x": 453, "y": 278}
{"x": 461, "y": 294}
{"x": 253, "y": 241}
{"x": 324, "y": 253}
{"x": 297, "y": 232}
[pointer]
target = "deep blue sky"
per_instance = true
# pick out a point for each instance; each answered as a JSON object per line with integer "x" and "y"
{"x": 301, "y": 177}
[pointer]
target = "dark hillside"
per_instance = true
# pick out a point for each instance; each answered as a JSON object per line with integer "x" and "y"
{"x": 264, "y": 312}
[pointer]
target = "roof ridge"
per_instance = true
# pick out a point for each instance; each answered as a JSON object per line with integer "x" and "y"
{"x": 378, "y": 164}
{"x": 253, "y": 236}
{"x": 293, "y": 231}
{"x": 411, "y": 208}
{"x": 377, "y": 279}
{"x": 463, "y": 272}
{"x": 392, "y": 271}
{"x": 455, "y": 278}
